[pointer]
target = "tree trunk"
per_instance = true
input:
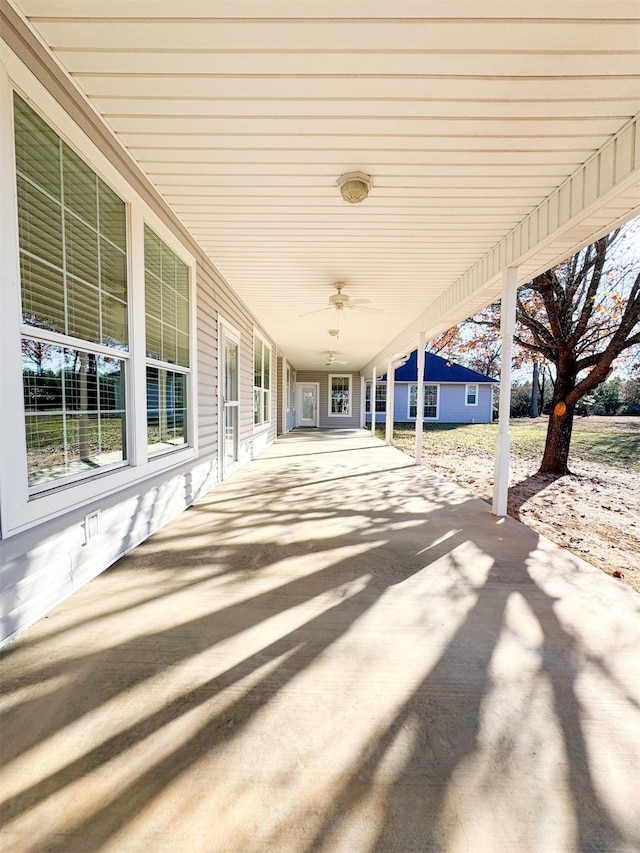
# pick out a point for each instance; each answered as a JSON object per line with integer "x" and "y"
{"x": 535, "y": 391}
{"x": 556, "y": 449}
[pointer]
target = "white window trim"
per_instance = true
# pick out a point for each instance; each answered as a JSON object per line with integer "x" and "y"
{"x": 348, "y": 414}
{"x": 475, "y": 385}
{"x": 415, "y": 384}
{"x": 288, "y": 382}
{"x": 20, "y": 510}
{"x": 263, "y": 425}
{"x": 234, "y": 334}
{"x": 189, "y": 372}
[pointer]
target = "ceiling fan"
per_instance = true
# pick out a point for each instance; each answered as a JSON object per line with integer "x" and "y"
{"x": 329, "y": 360}
{"x": 340, "y": 301}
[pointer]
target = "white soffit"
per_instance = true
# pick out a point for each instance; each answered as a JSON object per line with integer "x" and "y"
{"x": 244, "y": 113}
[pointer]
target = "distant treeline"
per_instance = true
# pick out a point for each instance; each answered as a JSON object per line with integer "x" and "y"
{"x": 614, "y": 397}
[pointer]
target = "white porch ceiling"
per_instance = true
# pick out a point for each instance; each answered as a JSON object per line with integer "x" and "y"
{"x": 244, "y": 113}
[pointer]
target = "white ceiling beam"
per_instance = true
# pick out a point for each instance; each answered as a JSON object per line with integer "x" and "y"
{"x": 361, "y": 89}
{"x": 351, "y": 145}
{"x": 332, "y": 37}
{"x": 567, "y": 10}
{"x": 301, "y": 110}
{"x": 431, "y": 64}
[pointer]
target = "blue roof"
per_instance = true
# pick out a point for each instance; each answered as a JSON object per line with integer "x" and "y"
{"x": 437, "y": 369}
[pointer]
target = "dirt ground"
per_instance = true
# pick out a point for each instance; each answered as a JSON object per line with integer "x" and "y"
{"x": 595, "y": 513}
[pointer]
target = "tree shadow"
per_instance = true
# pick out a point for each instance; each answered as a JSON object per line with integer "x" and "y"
{"x": 445, "y": 716}
{"x": 528, "y": 488}
{"x": 378, "y": 533}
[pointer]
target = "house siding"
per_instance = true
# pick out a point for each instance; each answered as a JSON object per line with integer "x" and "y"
{"x": 327, "y": 421}
{"x": 454, "y": 410}
{"x": 451, "y": 405}
{"x": 42, "y": 565}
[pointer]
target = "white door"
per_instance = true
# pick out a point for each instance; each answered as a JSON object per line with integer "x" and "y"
{"x": 229, "y": 400}
{"x": 307, "y": 404}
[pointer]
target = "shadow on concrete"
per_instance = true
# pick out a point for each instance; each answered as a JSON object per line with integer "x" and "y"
{"x": 401, "y": 527}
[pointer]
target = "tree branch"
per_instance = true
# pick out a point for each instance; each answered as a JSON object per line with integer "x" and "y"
{"x": 544, "y": 285}
{"x": 586, "y": 311}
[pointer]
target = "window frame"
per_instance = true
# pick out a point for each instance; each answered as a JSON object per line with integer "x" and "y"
{"x": 411, "y": 385}
{"x": 21, "y": 508}
{"x": 330, "y": 379}
{"x": 167, "y": 366}
{"x": 68, "y": 480}
{"x": 469, "y": 385}
{"x": 62, "y": 340}
{"x": 289, "y": 388}
{"x": 262, "y": 424}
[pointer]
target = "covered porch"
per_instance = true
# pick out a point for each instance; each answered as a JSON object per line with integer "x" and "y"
{"x": 334, "y": 650}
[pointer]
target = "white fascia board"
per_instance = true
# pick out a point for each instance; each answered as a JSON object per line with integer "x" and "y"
{"x": 609, "y": 173}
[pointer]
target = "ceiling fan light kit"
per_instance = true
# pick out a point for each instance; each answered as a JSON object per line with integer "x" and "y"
{"x": 354, "y": 186}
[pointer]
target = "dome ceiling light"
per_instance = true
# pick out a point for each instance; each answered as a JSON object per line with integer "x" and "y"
{"x": 354, "y": 186}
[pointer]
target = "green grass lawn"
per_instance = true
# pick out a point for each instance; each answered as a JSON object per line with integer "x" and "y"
{"x": 591, "y": 441}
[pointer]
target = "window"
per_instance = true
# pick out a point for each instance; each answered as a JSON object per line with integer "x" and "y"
{"x": 167, "y": 344}
{"x": 471, "y": 395}
{"x": 430, "y": 401}
{"x": 339, "y": 395}
{"x": 74, "y": 411}
{"x": 73, "y": 283}
{"x": 381, "y": 398}
{"x": 261, "y": 382}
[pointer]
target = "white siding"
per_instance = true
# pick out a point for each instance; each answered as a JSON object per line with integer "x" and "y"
{"x": 328, "y": 421}
{"x": 42, "y": 565}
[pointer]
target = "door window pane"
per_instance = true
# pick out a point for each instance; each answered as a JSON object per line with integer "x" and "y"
{"x": 308, "y": 412}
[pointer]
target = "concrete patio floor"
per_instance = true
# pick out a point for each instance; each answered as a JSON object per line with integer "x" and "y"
{"x": 337, "y": 651}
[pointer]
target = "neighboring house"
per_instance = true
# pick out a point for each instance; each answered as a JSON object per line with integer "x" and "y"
{"x": 452, "y": 393}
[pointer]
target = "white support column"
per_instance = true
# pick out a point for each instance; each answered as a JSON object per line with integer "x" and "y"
{"x": 420, "y": 400}
{"x": 503, "y": 441}
{"x": 388, "y": 432}
{"x": 373, "y": 401}
{"x": 363, "y": 402}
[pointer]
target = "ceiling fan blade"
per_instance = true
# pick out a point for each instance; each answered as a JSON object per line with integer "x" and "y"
{"x": 329, "y": 363}
{"x": 360, "y": 302}
{"x": 316, "y": 311}
{"x": 364, "y": 308}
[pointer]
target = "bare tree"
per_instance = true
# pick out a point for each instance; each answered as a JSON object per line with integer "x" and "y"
{"x": 580, "y": 316}
{"x": 574, "y": 321}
